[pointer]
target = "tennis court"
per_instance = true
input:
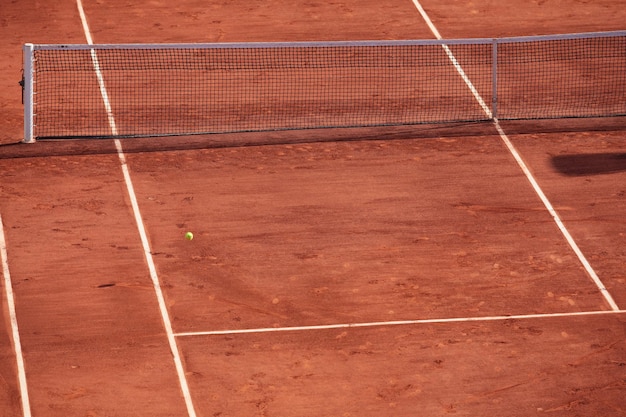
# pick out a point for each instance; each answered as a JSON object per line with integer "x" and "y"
{"x": 462, "y": 268}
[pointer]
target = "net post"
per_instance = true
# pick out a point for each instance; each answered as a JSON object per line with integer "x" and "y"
{"x": 494, "y": 79}
{"x": 27, "y": 92}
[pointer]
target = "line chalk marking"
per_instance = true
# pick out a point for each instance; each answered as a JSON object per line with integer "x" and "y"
{"x": 17, "y": 344}
{"x": 555, "y": 216}
{"x": 398, "y": 323}
{"x": 140, "y": 226}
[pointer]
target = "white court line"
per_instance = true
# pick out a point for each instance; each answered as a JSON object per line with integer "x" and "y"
{"x": 140, "y": 226}
{"x": 399, "y": 323}
{"x": 17, "y": 344}
{"x": 96, "y": 66}
{"x": 568, "y": 237}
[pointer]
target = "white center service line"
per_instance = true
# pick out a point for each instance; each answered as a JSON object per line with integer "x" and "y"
{"x": 555, "y": 216}
{"x": 167, "y": 323}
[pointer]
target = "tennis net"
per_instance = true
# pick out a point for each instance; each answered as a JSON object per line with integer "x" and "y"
{"x": 73, "y": 91}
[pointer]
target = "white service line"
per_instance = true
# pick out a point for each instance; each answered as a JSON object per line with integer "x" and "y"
{"x": 167, "y": 323}
{"x": 398, "y": 323}
{"x": 17, "y": 344}
{"x": 568, "y": 237}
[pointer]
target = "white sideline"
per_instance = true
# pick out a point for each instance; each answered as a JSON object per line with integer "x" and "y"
{"x": 96, "y": 67}
{"x": 17, "y": 344}
{"x": 568, "y": 237}
{"x": 140, "y": 226}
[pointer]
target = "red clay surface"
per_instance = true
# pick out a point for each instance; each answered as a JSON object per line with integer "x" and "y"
{"x": 397, "y": 226}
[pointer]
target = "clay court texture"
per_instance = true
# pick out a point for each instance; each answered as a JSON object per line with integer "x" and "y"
{"x": 471, "y": 270}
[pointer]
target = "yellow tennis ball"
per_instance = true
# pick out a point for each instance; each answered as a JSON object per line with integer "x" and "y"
{"x": 189, "y": 236}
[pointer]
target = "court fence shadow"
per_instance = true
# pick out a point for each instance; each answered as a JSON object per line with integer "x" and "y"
{"x": 589, "y": 164}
